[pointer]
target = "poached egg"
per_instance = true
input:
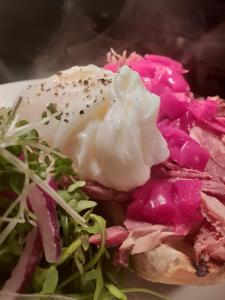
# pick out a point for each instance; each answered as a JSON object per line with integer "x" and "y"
{"x": 108, "y": 124}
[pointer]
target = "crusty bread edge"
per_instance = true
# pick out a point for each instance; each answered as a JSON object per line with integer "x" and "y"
{"x": 167, "y": 265}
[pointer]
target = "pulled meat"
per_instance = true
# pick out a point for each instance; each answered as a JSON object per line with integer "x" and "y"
{"x": 210, "y": 241}
{"x": 144, "y": 236}
{"x": 99, "y": 192}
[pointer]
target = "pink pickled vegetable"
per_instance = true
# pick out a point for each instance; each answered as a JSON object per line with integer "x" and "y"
{"x": 153, "y": 202}
{"x": 172, "y": 79}
{"x": 115, "y": 235}
{"x": 165, "y": 202}
{"x": 144, "y": 68}
{"x": 44, "y": 208}
{"x": 166, "y": 74}
{"x": 171, "y": 106}
{"x": 166, "y": 61}
{"x": 26, "y": 265}
{"x": 184, "y": 150}
{"x": 205, "y": 112}
{"x": 185, "y": 121}
{"x": 111, "y": 67}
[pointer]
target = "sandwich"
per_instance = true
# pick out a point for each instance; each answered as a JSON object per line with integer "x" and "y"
{"x": 121, "y": 160}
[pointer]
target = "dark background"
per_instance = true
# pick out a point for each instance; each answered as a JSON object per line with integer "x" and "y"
{"x": 39, "y": 37}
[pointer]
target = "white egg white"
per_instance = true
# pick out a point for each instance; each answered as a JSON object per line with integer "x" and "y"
{"x": 108, "y": 126}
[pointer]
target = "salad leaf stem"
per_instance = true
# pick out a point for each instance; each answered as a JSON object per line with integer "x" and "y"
{"x": 145, "y": 291}
{"x": 28, "y": 127}
{"x": 23, "y": 168}
{"x": 69, "y": 250}
{"x": 7, "y": 230}
{"x": 99, "y": 282}
{"x": 102, "y": 226}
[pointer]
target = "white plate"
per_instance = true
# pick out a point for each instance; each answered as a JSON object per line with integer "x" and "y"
{"x": 8, "y": 93}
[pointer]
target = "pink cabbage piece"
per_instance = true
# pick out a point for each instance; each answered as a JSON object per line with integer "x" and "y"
{"x": 171, "y": 106}
{"x": 162, "y": 70}
{"x": 166, "y": 61}
{"x": 166, "y": 202}
{"x": 165, "y": 77}
{"x": 205, "y": 112}
{"x": 184, "y": 122}
{"x": 26, "y": 265}
{"x": 184, "y": 150}
{"x": 44, "y": 208}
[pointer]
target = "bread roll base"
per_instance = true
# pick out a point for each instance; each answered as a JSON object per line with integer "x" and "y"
{"x": 167, "y": 265}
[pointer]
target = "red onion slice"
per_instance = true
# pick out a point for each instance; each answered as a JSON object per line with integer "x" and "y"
{"x": 115, "y": 235}
{"x": 44, "y": 208}
{"x": 26, "y": 265}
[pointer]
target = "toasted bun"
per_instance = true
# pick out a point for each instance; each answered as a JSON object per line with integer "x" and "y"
{"x": 166, "y": 264}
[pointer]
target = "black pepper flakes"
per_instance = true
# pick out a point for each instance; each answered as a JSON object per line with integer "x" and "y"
{"x": 85, "y": 82}
{"x": 56, "y": 94}
{"x": 81, "y": 112}
{"x": 105, "y": 81}
{"x": 60, "y": 85}
{"x": 48, "y": 90}
{"x": 87, "y": 105}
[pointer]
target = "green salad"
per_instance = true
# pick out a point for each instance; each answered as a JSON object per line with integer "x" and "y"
{"x": 46, "y": 220}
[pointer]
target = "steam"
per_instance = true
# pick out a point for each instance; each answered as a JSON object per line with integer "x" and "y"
{"x": 5, "y": 72}
{"x": 179, "y": 29}
{"x": 144, "y": 26}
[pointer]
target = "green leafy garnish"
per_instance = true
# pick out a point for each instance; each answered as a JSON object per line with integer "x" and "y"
{"x": 50, "y": 281}
{"x": 83, "y": 271}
